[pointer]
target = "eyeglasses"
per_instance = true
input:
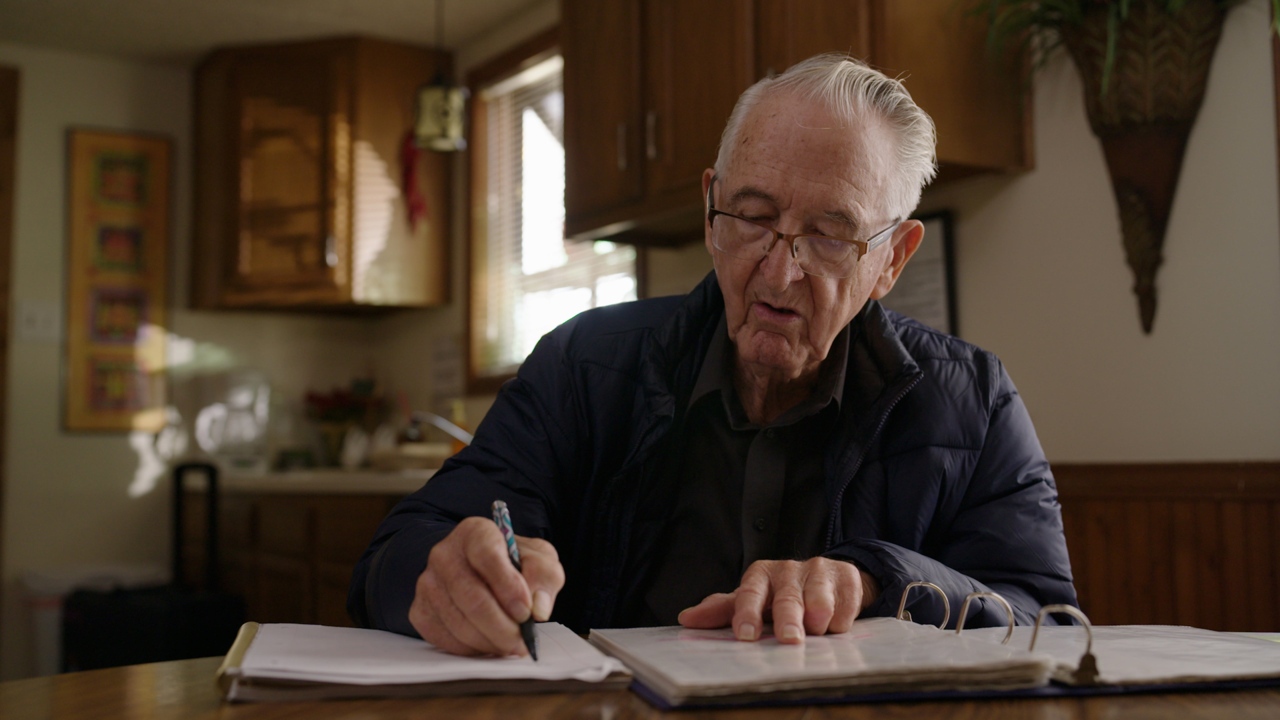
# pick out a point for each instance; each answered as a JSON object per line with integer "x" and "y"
{"x": 815, "y": 254}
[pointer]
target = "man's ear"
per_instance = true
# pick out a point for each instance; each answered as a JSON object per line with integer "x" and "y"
{"x": 708, "y": 176}
{"x": 906, "y": 239}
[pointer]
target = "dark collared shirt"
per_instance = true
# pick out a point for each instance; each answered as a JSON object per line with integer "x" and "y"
{"x": 739, "y": 492}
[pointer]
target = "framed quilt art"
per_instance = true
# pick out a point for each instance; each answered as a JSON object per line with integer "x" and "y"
{"x": 117, "y": 276}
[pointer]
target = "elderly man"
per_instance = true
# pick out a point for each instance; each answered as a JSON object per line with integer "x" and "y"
{"x": 773, "y": 447}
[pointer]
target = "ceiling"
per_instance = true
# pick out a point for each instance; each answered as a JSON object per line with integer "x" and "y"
{"x": 182, "y": 30}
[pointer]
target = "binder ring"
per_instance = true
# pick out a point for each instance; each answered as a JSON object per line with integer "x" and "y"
{"x": 1074, "y": 612}
{"x": 1086, "y": 672}
{"x": 964, "y": 611}
{"x": 946, "y": 604}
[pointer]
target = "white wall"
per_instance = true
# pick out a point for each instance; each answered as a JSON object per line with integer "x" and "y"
{"x": 1042, "y": 279}
{"x": 66, "y": 499}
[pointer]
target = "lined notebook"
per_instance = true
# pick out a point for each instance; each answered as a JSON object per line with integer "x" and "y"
{"x": 314, "y": 662}
{"x": 877, "y": 656}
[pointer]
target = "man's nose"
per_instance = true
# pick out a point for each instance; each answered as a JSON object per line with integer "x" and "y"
{"x": 780, "y": 267}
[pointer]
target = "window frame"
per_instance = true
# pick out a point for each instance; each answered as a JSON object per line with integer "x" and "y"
{"x": 526, "y": 54}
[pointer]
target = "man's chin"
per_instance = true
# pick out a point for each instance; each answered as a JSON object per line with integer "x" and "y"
{"x": 772, "y": 352}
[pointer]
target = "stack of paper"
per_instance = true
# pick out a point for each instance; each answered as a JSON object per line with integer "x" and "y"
{"x": 313, "y": 662}
{"x": 1150, "y": 654}
{"x": 878, "y": 655}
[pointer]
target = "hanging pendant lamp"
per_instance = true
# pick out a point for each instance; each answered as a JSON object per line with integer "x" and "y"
{"x": 441, "y": 106}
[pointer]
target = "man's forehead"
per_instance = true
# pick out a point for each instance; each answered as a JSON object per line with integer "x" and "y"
{"x": 849, "y": 216}
{"x": 788, "y": 143}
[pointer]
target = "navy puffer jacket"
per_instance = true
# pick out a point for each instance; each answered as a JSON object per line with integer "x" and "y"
{"x": 938, "y": 475}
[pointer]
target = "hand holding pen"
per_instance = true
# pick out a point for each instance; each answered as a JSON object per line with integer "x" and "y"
{"x": 502, "y": 518}
{"x": 471, "y": 599}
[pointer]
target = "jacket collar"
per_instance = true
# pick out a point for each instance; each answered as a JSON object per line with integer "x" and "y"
{"x": 879, "y": 370}
{"x": 673, "y": 355}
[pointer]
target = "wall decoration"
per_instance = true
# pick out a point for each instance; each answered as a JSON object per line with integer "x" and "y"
{"x": 926, "y": 289}
{"x": 1145, "y": 66}
{"x": 117, "y": 280}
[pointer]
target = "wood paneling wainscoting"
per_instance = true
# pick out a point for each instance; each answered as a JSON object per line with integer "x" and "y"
{"x": 1175, "y": 544}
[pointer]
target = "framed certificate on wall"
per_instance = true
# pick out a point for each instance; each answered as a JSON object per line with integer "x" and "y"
{"x": 926, "y": 289}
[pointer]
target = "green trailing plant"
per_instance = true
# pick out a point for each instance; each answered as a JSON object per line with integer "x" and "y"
{"x": 1035, "y": 27}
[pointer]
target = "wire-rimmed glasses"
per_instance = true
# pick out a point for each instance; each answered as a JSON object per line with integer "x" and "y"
{"x": 818, "y": 255}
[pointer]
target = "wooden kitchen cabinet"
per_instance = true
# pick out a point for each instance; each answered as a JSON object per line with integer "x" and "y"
{"x": 649, "y": 85}
{"x": 935, "y": 49}
{"x": 698, "y": 61}
{"x": 300, "y": 192}
{"x": 289, "y": 554}
{"x": 794, "y": 31}
{"x": 603, "y": 138}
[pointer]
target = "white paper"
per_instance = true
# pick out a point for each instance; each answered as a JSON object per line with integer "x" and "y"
{"x": 875, "y": 652}
{"x": 372, "y": 657}
{"x": 1151, "y": 654}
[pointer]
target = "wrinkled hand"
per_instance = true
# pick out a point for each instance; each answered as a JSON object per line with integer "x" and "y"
{"x": 817, "y": 596}
{"x": 470, "y": 600}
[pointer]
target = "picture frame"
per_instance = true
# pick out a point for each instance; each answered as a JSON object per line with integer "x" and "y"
{"x": 926, "y": 289}
{"x": 118, "y": 225}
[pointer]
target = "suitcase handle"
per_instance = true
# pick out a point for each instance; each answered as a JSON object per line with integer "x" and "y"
{"x": 210, "y": 472}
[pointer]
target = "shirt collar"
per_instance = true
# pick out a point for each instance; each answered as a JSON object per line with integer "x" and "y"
{"x": 716, "y": 374}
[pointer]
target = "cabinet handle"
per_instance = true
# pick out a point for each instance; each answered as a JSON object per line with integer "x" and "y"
{"x": 651, "y": 135}
{"x": 330, "y": 252}
{"x": 622, "y": 147}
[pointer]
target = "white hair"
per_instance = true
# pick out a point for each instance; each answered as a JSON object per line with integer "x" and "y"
{"x": 850, "y": 89}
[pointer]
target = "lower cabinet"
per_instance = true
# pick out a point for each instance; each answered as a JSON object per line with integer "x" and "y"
{"x": 289, "y": 555}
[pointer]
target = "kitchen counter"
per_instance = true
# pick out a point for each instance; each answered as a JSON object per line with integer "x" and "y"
{"x": 319, "y": 480}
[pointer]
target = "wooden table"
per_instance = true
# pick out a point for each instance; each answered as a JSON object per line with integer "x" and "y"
{"x": 185, "y": 689}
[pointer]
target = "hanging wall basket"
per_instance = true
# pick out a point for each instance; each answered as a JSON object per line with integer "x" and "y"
{"x": 1142, "y": 109}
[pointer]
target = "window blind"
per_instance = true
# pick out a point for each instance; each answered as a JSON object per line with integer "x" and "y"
{"x": 528, "y": 279}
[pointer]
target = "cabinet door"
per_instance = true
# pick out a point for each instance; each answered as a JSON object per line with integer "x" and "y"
{"x": 974, "y": 102}
{"x": 283, "y": 590}
{"x": 600, "y": 42}
{"x": 332, "y": 582}
{"x": 788, "y": 31}
{"x": 288, "y": 106}
{"x": 700, "y": 58}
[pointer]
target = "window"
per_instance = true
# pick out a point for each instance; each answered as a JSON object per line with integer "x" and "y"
{"x": 526, "y": 278}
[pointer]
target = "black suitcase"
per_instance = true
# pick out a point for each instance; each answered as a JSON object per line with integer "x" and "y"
{"x": 169, "y": 622}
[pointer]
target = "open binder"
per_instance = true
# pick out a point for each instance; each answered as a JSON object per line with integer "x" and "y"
{"x": 894, "y": 659}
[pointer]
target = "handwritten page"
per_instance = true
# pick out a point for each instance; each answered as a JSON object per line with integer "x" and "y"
{"x": 316, "y": 653}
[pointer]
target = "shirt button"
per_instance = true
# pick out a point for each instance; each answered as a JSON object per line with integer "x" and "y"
{"x": 771, "y": 433}
{"x": 759, "y": 524}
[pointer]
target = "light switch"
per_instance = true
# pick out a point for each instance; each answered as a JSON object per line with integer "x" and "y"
{"x": 38, "y": 321}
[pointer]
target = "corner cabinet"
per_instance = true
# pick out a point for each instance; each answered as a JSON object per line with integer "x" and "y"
{"x": 649, "y": 85}
{"x": 302, "y": 182}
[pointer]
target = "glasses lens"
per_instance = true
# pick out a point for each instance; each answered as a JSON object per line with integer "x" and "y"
{"x": 826, "y": 257}
{"x": 740, "y": 238}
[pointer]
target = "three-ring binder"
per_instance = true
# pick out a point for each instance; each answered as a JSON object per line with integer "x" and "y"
{"x": 1086, "y": 672}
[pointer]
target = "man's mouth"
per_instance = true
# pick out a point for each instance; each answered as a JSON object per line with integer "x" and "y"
{"x": 775, "y": 313}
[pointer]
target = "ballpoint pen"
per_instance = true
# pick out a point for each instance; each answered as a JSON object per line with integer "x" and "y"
{"x": 502, "y": 517}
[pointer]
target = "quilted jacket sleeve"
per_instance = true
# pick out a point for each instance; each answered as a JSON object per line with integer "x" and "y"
{"x": 1006, "y": 536}
{"x": 521, "y": 450}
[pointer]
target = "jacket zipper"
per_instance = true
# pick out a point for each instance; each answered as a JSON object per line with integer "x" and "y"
{"x": 857, "y": 465}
